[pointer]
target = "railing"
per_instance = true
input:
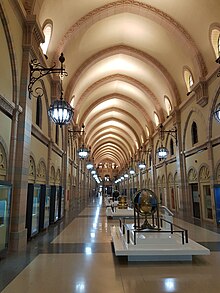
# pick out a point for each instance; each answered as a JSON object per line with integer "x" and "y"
{"x": 167, "y": 210}
{"x": 182, "y": 231}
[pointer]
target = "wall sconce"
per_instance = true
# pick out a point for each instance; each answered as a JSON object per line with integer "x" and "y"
{"x": 162, "y": 152}
{"x": 60, "y": 111}
{"x": 216, "y": 112}
{"x": 83, "y": 152}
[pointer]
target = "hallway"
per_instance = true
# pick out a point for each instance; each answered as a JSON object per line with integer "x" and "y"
{"x": 78, "y": 257}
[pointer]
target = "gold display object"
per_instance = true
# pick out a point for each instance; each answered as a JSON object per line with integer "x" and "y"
{"x": 122, "y": 202}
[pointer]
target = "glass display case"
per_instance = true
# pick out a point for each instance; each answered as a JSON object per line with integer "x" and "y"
{"x": 47, "y": 207}
{"x": 61, "y": 202}
{"x": 57, "y": 204}
{"x": 33, "y": 209}
{"x": 5, "y": 201}
{"x": 44, "y": 206}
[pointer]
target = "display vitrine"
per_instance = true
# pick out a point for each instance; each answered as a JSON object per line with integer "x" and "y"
{"x": 5, "y": 204}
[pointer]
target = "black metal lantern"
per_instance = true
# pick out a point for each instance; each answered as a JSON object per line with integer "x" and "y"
{"x": 83, "y": 152}
{"x": 217, "y": 113}
{"x": 162, "y": 152}
{"x": 141, "y": 165}
{"x": 60, "y": 112}
{"x": 89, "y": 166}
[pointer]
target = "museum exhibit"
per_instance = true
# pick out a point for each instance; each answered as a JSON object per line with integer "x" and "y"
{"x": 109, "y": 146}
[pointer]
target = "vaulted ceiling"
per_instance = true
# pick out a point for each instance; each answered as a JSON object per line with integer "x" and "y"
{"x": 122, "y": 58}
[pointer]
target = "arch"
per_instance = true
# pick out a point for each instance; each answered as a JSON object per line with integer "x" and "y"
{"x": 217, "y": 172}
{"x": 170, "y": 179}
{"x": 144, "y": 10}
{"x": 168, "y": 105}
{"x": 41, "y": 171}
{"x": 47, "y": 31}
{"x": 130, "y": 51}
{"x": 12, "y": 56}
{"x": 3, "y": 162}
{"x": 123, "y": 98}
{"x": 32, "y": 174}
{"x": 194, "y": 133}
{"x": 211, "y": 117}
{"x": 214, "y": 34}
{"x": 52, "y": 175}
{"x": 199, "y": 113}
{"x": 204, "y": 173}
{"x": 39, "y": 112}
{"x": 188, "y": 78}
{"x": 192, "y": 175}
{"x": 58, "y": 177}
{"x": 127, "y": 79}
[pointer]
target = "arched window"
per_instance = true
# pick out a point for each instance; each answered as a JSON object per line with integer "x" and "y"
{"x": 150, "y": 160}
{"x": 47, "y": 30}
{"x": 167, "y": 105}
{"x": 39, "y": 112}
{"x": 194, "y": 133}
{"x": 156, "y": 119}
{"x": 171, "y": 147}
{"x": 215, "y": 40}
{"x": 188, "y": 77}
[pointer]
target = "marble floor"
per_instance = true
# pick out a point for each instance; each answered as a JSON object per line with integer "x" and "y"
{"x": 76, "y": 255}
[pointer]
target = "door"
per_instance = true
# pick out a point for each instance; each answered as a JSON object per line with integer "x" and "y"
{"x": 217, "y": 203}
{"x": 195, "y": 200}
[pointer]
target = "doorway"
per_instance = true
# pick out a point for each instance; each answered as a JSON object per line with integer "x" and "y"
{"x": 195, "y": 200}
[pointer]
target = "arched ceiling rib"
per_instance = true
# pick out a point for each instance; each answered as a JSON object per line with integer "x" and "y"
{"x": 135, "y": 106}
{"x": 116, "y": 146}
{"x": 126, "y": 50}
{"x": 122, "y": 58}
{"x": 144, "y": 10}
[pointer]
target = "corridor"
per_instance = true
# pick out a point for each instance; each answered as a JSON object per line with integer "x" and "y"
{"x": 76, "y": 255}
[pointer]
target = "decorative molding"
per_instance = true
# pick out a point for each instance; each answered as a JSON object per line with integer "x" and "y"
{"x": 8, "y": 107}
{"x": 37, "y": 133}
{"x": 195, "y": 150}
{"x": 3, "y": 162}
{"x": 58, "y": 177}
{"x": 201, "y": 90}
{"x": 41, "y": 171}
{"x": 192, "y": 175}
{"x": 57, "y": 149}
{"x": 32, "y": 170}
{"x": 204, "y": 174}
{"x": 52, "y": 175}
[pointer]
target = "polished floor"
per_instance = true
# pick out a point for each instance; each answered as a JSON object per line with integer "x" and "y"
{"x": 76, "y": 255}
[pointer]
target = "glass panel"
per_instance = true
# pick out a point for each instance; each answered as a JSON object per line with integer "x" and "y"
{"x": 47, "y": 207}
{"x": 62, "y": 202}
{"x": 35, "y": 210}
{"x": 56, "y": 204}
{"x": 5, "y": 195}
{"x": 207, "y": 201}
{"x": 196, "y": 201}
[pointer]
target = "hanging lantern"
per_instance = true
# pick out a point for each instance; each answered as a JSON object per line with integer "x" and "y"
{"x": 162, "y": 152}
{"x": 60, "y": 112}
{"x": 83, "y": 152}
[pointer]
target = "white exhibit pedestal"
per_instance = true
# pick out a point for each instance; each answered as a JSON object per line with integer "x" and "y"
{"x": 153, "y": 245}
